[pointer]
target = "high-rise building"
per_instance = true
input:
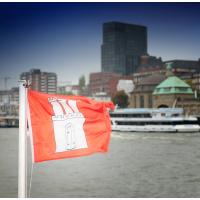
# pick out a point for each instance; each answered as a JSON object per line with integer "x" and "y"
{"x": 123, "y": 44}
{"x": 41, "y": 81}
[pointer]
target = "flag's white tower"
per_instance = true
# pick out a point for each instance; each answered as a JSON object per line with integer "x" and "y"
{"x": 68, "y": 125}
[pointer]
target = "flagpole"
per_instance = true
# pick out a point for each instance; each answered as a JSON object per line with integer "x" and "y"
{"x": 22, "y": 159}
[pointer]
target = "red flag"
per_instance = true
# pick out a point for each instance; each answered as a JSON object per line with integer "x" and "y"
{"x": 67, "y": 126}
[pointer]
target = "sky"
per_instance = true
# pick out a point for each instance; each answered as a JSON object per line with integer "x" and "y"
{"x": 66, "y": 38}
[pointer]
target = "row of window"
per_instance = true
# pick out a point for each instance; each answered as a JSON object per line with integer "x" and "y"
{"x": 184, "y": 122}
{"x": 143, "y": 115}
{"x": 141, "y": 101}
{"x": 167, "y": 89}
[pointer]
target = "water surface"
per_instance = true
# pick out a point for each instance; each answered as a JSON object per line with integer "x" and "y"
{"x": 138, "y": 165}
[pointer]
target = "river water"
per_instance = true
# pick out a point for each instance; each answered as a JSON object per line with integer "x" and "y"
{"x": 138, "y": 165}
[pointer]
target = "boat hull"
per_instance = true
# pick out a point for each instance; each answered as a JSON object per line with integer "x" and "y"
{"x": 182, "y": 128}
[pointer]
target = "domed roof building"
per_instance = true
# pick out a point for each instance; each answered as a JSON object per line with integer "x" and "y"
{"x": 171, "y": 90}
{"x": 164, "y": 89}
{"x": 141, "y": 97}
{"x": 173, "y": 85}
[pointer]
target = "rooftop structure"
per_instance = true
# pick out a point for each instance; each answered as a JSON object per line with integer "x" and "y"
{"x": 185, "y": 64}
{"x": 172, "y": 85}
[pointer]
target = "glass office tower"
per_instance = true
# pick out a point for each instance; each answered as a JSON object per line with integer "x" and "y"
{"x": 123, "y": 44}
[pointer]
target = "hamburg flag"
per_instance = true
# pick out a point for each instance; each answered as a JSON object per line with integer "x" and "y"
{"x": 67, "y": 126}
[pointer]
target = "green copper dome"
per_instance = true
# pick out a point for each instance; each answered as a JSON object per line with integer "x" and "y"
{"x": 173, "y": 85}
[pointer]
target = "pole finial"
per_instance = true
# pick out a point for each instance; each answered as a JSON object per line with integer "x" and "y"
{"x": 26, "y": 83}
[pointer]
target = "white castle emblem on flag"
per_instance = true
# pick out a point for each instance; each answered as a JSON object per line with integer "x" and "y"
{"x": 68, "y": 125}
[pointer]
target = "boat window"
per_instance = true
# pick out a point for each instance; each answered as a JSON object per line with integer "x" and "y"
{"x": 137, "y": 123}
{"x": 186, "y": 122}
{"x": 175, "y": 115}
{"x": 142, "y": 123}
{"x": 137, "y": 115}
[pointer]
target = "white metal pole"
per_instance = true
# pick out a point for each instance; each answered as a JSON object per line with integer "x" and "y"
{"x": 22, "y": 165}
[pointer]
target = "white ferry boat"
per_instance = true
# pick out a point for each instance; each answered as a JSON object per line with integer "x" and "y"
{"x": 153, "y": 120}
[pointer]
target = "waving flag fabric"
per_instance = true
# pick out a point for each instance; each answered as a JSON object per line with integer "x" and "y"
{"x": 67, "y": 126}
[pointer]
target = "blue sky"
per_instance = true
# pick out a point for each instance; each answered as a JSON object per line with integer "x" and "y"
{"x": 65, "y": 38}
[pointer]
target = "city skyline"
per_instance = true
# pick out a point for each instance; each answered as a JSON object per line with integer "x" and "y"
{"x": 65, "y": 38}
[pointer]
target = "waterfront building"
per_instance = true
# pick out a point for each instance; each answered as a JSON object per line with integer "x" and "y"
{"x": 142, "y": 74}
{"x": 149, "y": 63}
{"x": 141, "y": 97}
{"x": 41, "y": 81}
{"x": 123, "y": 44}
{"x": 172, "y": 89}
{"x": 69, "y": 89}
{"x": 101, "y": 96}
{"x": 9, "y": 102}
{"x": 196, "y": 82}
{"x": 105, "y": 82}
{"x": 190, "y": 65}
{"x": 174, "y": 92}
{"x": 164, "y": 89}
{"x": 126, "y": 85}
{"x": 121, "y": 83}
{"x": 100, "y": 82}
